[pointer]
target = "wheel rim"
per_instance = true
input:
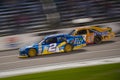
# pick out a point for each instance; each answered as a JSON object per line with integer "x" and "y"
{"x": 32, "y": 52}
{"x": 68, "y": 48}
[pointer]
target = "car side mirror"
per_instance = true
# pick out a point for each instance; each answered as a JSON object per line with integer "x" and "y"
{"x": 43, "y": 43}
{"x": 76, "y": 33}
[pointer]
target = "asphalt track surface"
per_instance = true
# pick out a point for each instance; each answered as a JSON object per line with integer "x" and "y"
{"x": 9, "y": 59}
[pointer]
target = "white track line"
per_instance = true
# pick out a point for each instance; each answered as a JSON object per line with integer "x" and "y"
{"x": 81, "y": 53}
{"x": 8, "y": 56}
{"x": 62, "y": 63}
{"x": 59, "y": 66}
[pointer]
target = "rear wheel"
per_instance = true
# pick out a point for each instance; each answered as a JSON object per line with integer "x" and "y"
{"x": 32, "y": 52}
{"x": 68, "y": 48}
{"x": 97, "y": 39}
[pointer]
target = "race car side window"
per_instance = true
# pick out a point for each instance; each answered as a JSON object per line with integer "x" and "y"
{"x": 61, "y": 39}
{"x": 72, "y": 32}
{"x": 81, "y": 32}
{"x": 51, "y": 40}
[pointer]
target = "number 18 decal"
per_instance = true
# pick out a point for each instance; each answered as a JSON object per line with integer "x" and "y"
{"x": 52, "y": 47}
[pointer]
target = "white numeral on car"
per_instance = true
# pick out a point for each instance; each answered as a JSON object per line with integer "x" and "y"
{"x": 52, "y": 47}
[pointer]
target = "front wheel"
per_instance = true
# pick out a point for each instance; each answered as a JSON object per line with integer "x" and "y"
{"x": 32, "y": 52}
{"x": 68, "y": 48}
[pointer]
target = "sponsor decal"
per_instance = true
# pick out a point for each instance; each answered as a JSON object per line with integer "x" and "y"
{"x": 101, "y": 33}
{"x": 12, "y": 42}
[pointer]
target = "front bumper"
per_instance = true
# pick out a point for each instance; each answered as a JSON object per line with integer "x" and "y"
{"x": 22, "y": 54}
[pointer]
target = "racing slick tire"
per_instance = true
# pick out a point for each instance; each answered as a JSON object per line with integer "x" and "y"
{"x": 68, "y": 48}
{"x": 32, "y": 52}
{"x": 97, "y": 39}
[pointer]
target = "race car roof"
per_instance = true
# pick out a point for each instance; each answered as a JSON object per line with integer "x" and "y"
{"x": 56, "y": 35}
{"x": 97, "y": 28}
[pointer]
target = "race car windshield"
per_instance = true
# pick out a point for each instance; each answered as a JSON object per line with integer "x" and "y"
{"x": 41, "y": 42}
{"x": 71, "y": 32}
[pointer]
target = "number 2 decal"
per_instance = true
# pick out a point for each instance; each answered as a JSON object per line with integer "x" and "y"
{"x": 52, "y": 47}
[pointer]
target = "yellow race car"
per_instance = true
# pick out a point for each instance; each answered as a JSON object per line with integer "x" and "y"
{"x": 94, "y": 34}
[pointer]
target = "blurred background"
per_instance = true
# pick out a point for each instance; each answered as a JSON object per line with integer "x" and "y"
{"x": 23, "y": 16}
{"x": 24, "y": 22}
{"x": 28, "y": 16}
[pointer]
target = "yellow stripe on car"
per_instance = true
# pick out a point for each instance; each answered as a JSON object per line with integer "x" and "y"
{"x": 61, "y": 44}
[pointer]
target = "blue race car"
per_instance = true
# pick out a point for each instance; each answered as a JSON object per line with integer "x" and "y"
{"x": 53, "y": 44}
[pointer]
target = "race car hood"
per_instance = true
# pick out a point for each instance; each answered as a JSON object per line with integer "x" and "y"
{"x": 30, "y": 46}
